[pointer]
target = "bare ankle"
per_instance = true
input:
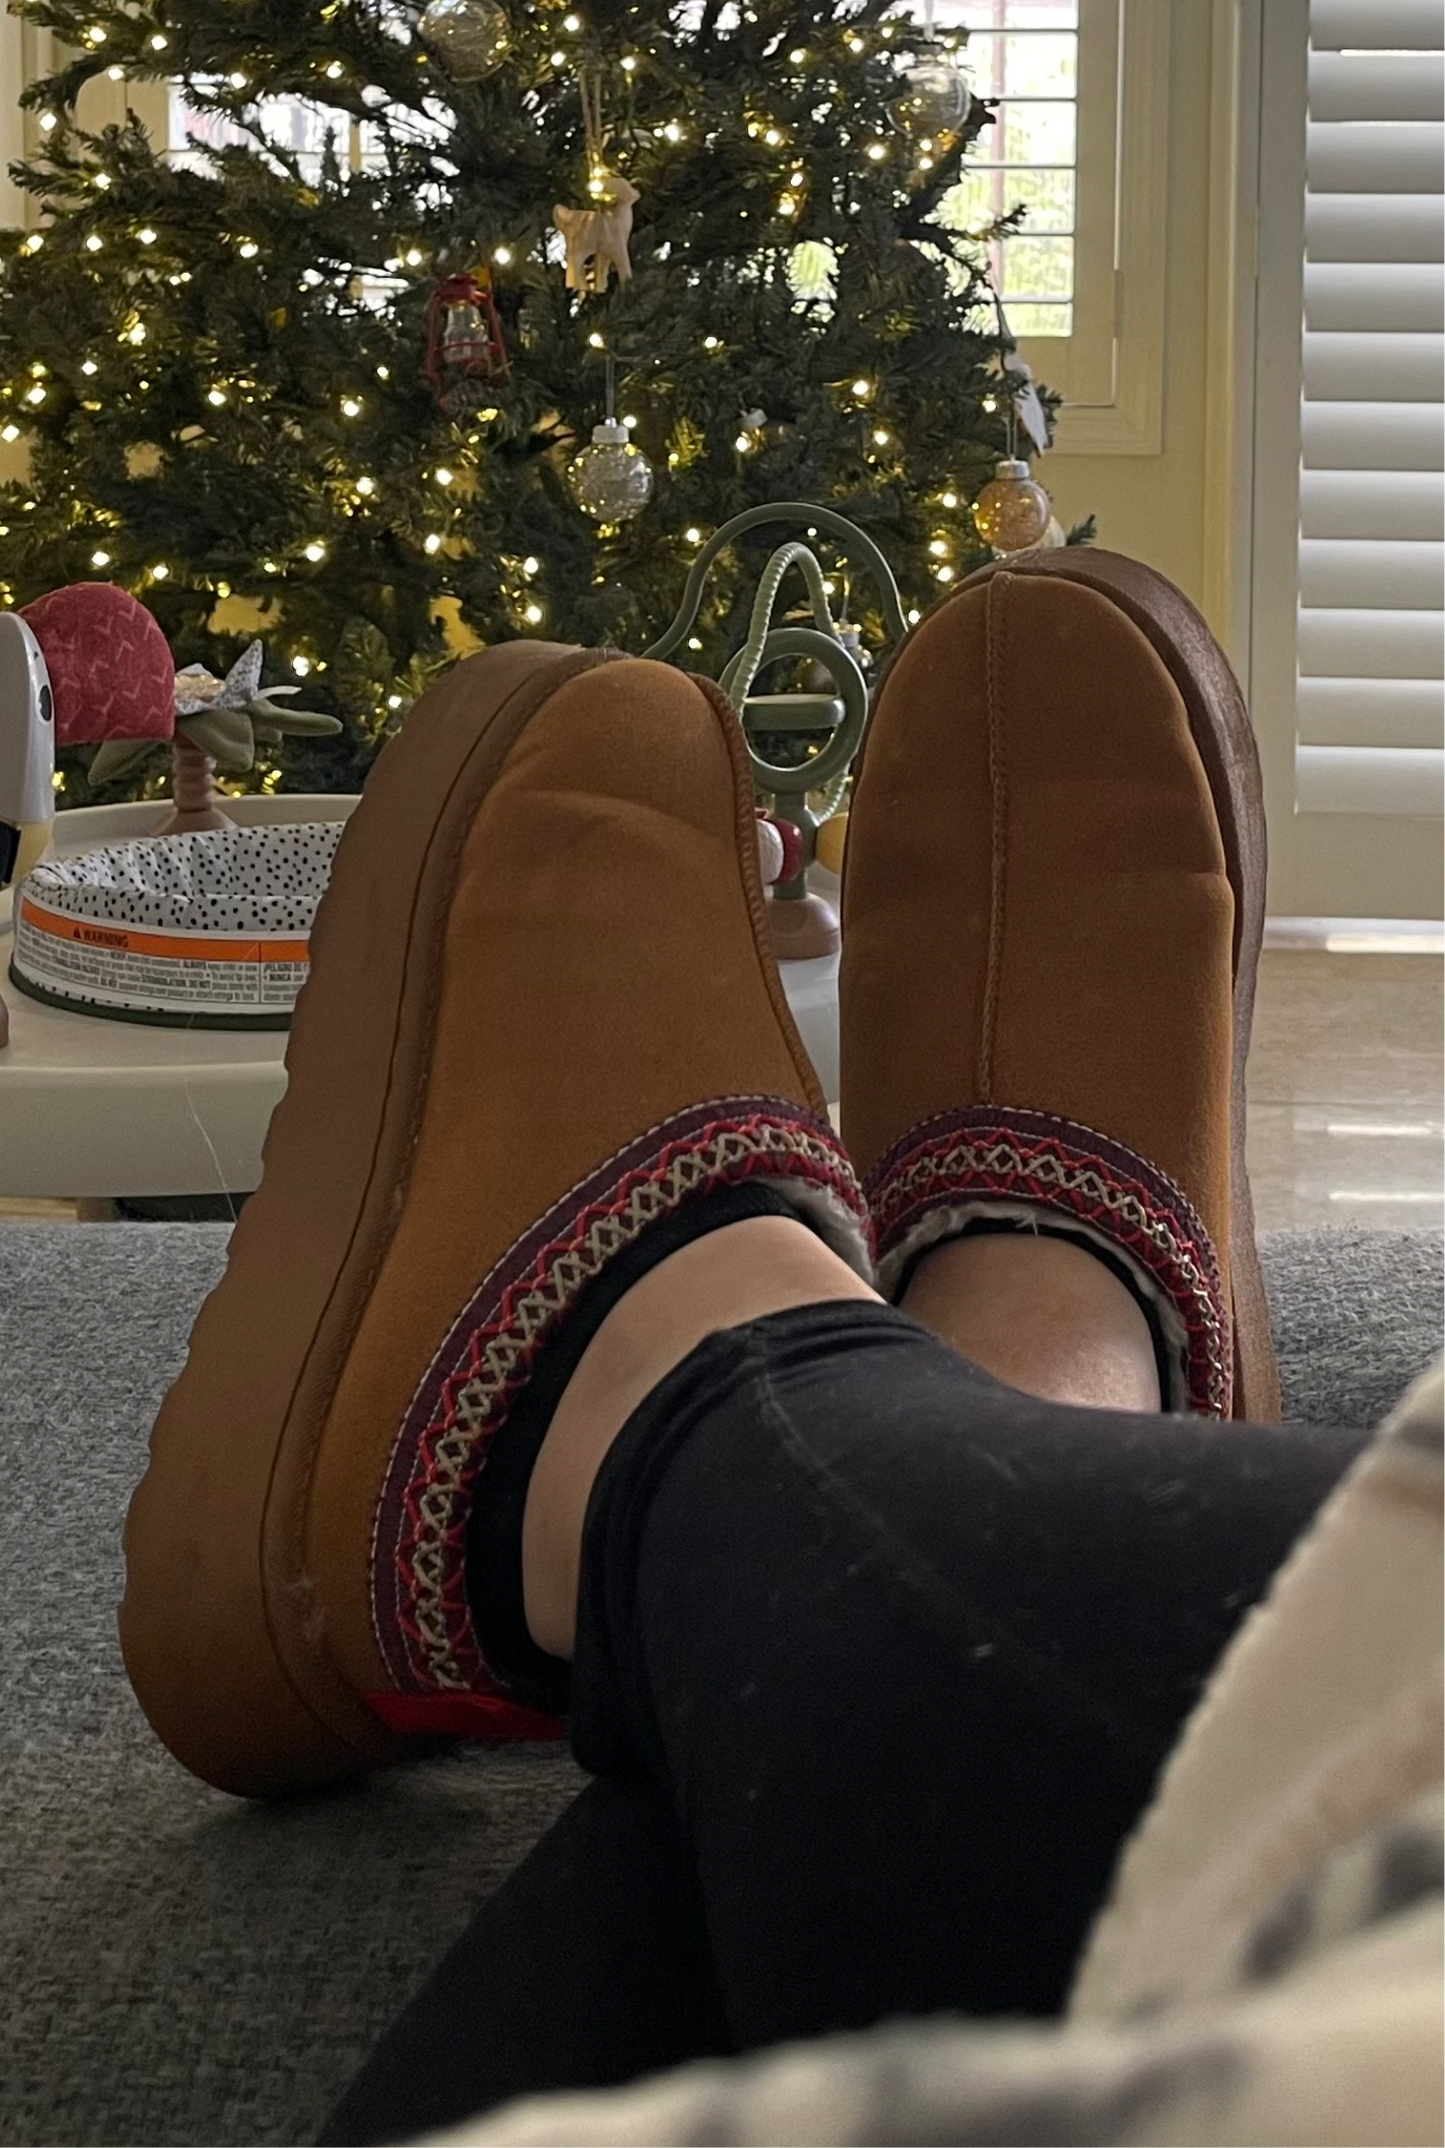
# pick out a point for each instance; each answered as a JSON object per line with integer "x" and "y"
{"x": 1040, "y": 1313}
{"x": 765, "y": 1264}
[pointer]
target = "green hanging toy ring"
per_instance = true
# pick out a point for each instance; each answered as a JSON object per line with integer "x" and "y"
{"x": 827, "y": 771}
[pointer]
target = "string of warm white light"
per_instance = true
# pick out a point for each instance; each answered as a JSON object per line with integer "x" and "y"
{"x": 363, "y": 492}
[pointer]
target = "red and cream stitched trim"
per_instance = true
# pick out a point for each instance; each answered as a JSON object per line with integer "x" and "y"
{"x": 990, "y": 1162}
{"x": 422, "y": 1621}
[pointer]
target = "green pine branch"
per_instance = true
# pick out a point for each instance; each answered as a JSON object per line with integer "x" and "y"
{"x": 233, "y": 417}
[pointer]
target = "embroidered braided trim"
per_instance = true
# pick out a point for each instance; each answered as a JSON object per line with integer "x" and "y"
{"x": 992, "y": 1161}
{"x": 422, "y": 1621}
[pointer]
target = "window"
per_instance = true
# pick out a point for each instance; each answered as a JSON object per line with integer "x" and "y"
{"x": 303, "y": 134}
{"x": 303, "y": 131}
{"x": 1345, "y": 536}
{"x": 1024, "y": 55}
{"x": 1080, "y": 143}
{"x": 300, "y": 129}
{"x": 12, "y": 129}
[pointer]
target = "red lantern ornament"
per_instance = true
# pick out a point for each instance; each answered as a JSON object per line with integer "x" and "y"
{"x": 464, "y": 341}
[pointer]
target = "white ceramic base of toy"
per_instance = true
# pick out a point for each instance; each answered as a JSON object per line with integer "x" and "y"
{"x": 90, "y": 1110}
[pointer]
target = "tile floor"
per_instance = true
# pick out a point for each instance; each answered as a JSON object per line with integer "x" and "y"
{"x": 1345, "y": 1077}
{"x": 1346, "y": 1118}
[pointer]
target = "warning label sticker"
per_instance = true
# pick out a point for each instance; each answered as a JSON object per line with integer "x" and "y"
{"x": 126, "y": 968}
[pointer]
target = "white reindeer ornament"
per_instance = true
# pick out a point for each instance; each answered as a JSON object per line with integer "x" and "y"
{"x": 596, "y": 238}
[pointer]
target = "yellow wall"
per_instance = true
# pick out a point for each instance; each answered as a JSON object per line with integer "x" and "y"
{"x": 1153, "y": 506}
{"x": 12, "y": 201}
{"x": 12, "y": 133}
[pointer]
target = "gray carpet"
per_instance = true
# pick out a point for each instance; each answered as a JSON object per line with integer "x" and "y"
{"x": 180, "y": 1968}
{"x": 1356, "y": 1316}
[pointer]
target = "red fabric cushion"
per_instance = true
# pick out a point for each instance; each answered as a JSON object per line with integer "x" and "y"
{"x": 110, "y": 666}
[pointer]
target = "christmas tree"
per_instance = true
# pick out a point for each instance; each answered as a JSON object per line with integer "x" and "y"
{"x": 331, "y": 373}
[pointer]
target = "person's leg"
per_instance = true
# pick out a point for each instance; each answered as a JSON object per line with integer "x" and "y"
{"x": 764, "y": 1265}
{"x": 907, "y": 1648}
{"x": 592, "y": 1964}
{"x": 1038, "y": 1312}
{"x": 903, "y": 1649}
{"x": 586, "y": 1969}
{"x": 1044, "y": 1315}
{"x": 822, "y": 1522}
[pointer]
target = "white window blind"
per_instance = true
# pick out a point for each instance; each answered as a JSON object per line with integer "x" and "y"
{"x": 1372, "y": 535}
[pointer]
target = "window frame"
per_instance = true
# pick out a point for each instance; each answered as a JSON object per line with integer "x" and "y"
{"x": 1080, "y": 362}
{"x": 1110, "y": 372}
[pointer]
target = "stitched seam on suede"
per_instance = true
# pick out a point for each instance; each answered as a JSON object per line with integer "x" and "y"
{"x": 445, "y": 1433}
{"x": 734, "y": 745}
{"x": 1029, "y": 1123}
{"x": 933, "y": 1590}
{"x": 998, "y": 794}
{"x": 435, "y": 954}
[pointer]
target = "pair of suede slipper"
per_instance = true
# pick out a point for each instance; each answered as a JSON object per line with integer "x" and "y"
{"x": 543, "y": 1014}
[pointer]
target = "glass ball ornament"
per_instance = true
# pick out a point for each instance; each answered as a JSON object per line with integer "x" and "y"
{"x": 933, "y": 100}
{"x": 611, "y": 480}
{"x": 1013, "y": 511}
{"x": 471, "y": 38}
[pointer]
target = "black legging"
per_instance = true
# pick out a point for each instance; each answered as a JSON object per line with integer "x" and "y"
{"x": 877, "y": 1662}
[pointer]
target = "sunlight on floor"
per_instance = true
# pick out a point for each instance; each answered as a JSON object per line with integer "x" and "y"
{"x": 1345, "y": 1116}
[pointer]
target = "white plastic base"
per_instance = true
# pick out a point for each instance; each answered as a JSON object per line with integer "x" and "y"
{"x": 94, "y": 1109}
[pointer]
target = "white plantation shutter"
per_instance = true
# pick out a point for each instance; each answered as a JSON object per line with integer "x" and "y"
{"x": 1372, "y": 536}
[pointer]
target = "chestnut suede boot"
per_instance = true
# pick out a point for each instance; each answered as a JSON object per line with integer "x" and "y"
{"x": 1053, "y": 898}
{"x": 542, "y": 1015}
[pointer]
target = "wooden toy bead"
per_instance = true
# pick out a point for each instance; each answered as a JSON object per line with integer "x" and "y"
{"x": 831, "y": 838}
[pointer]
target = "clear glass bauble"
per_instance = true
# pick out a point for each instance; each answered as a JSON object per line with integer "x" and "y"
{"x": 933, "y": 98}
{"x": 1013, "y": 511}
{"x": 611, "y": 480}
{"x": 471, "y": 38}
